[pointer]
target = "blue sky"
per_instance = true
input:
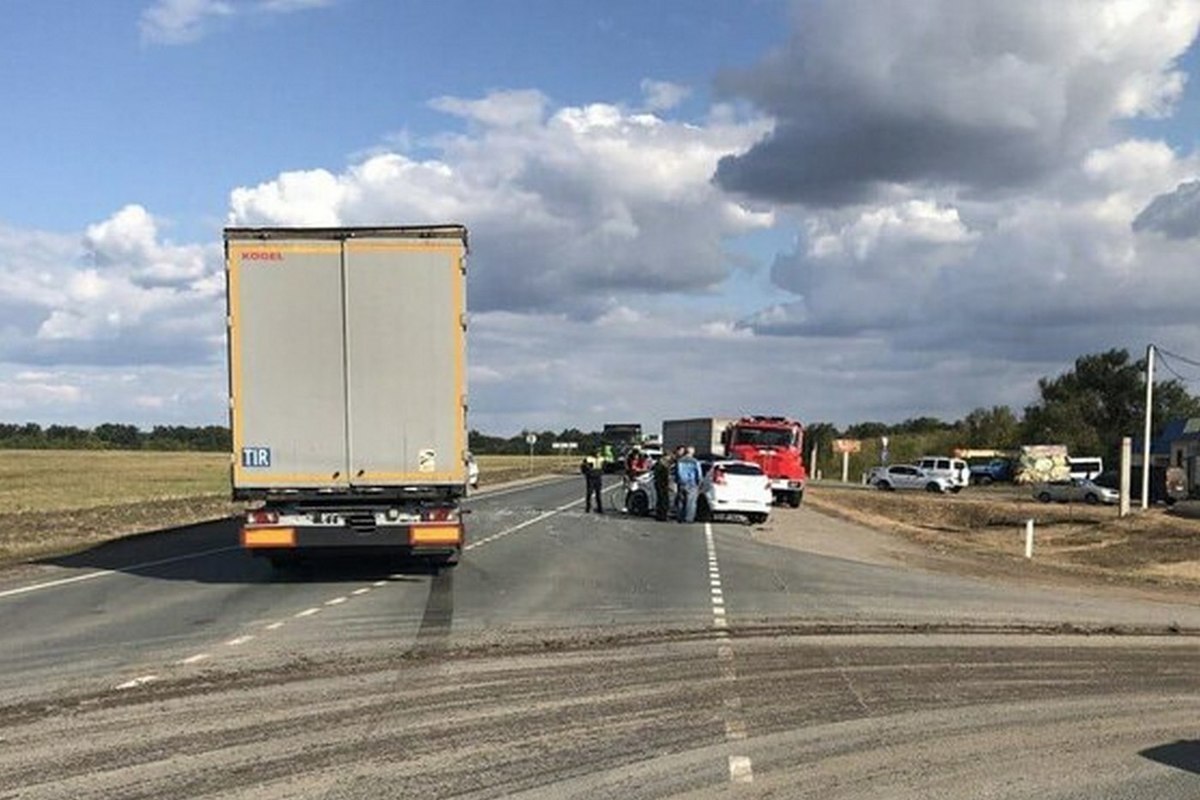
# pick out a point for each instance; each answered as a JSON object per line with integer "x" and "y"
{"x": 107, "y": 117}
{"x": 863, "y": 209}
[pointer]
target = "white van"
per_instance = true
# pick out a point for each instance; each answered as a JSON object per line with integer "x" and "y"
{"x": 1085, "y": 467}
{"x": 956, "y": 471}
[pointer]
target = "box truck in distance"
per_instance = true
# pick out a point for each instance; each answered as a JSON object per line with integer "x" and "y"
{"x": 347, "y": 389}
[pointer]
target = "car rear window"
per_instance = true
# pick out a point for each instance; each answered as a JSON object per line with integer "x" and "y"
{"x": 741, "y": 469}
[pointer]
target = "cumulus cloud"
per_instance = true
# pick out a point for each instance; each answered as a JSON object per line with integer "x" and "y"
{"x": 118, "y": 294}
{"x": 1063, "y": 270}
{"x": 870, "y": 95}
{"x": 569, "y": 208}
{"x": 172, "y": 22}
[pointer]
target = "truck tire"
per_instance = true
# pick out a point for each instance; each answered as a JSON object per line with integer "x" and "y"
{"x": 794, "y": 499}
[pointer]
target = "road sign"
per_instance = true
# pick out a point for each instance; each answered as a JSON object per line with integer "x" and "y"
{"x": 564, "y": 445}
{"x": 531, "y": 439}
{"x": 847, "y": 445}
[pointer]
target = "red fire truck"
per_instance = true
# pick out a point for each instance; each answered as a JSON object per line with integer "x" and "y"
{"x": 776, "y": 444}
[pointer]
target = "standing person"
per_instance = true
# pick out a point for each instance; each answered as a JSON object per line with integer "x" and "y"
{"x": 662, "y": 486}
{"x": 689, "y": 476}
{"x": 592, "y": 468}
{"x": 677, "y": 504}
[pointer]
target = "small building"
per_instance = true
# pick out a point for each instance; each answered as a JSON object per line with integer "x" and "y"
{"x": 1178, "y": 446}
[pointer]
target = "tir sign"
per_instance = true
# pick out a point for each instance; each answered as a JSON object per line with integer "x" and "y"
{"x": 256, "y": 457}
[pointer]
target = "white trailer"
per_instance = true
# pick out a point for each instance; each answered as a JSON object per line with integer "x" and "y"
{"x": 703, "y": 433}
{"x": 347, "y": 388}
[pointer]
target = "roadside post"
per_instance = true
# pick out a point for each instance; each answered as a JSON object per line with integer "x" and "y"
{"x": 846, "y": 447}
{"x": 884, "y": 455}
{"x": 1029, "y": 538}
{"x": 1126, "y": 483}
{"x": 531, "y": 440}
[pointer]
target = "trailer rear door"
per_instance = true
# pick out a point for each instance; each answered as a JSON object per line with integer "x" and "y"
{"x": 405, "y": 324}
{"x": 287, "y": 363}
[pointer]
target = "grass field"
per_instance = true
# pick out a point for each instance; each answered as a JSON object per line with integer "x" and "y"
{"x": 55, "y": 501}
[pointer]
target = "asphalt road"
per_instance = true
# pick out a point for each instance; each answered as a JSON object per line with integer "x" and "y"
{"x": 574, "y": 655}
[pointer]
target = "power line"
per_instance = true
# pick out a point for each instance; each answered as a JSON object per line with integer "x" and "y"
{"x": 1173, "y": 370}
{"x": 1176, "y": 356}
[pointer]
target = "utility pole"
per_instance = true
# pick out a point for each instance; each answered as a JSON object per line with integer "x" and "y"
{"x": 1146, "y": 430}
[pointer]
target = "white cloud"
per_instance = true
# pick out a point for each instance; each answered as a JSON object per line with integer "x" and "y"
{"x": 663, "y": 95}
{"x": 986, "y": 95}
{"x": 570, "y": 209}
{"x": 171, "y": 22}
{"x": 117, "y": 294}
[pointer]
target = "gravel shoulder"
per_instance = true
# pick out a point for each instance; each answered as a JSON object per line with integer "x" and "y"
{"x": 981, "y": 533}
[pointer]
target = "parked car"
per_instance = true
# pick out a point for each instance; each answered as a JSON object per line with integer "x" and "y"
{"x": 908, "y": 476}
{"x": 735, "y": 487}
{"x": 954, "y": 470}
{"x": 998, "y": 470}
{"x": 1075, "y": 490}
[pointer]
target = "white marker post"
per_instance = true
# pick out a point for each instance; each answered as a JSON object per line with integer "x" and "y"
{"x": 1126, "y": 483}
{"x": 1029, "y": 538}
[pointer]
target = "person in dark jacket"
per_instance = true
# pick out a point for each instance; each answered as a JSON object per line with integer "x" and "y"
{"x": 662, "y": 487}
{"x": 593, "y": 478}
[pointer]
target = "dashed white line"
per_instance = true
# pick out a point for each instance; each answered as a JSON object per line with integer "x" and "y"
{"x": 136, "y": 682}
{"x": 337, "y": 601}
{"x": 740, "y": 767}
{"x": 194, "y": 659}
{"x": 363, "y": 590}
{"x": 379, "y": 583}
{"x": 239, "y": 640}
{"x": 308, "y": 612}
{"x": 274, "y": 626}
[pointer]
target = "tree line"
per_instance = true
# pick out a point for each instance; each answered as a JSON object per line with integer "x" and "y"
{"x": 1089, "y": 408}
{"x": 115, "y": 436}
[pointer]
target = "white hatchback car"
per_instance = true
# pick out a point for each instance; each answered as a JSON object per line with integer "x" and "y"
{"x": 735, "y": 487}
{"x": 908, "y": 476}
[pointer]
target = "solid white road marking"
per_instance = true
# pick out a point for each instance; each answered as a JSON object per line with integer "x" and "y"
{"x": 105, "y": 572}
{"x": 136, "y": 682}
{"x": 740, "y": 769}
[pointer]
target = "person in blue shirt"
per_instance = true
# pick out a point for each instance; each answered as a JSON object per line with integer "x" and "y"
{"x": 688, "y": 476}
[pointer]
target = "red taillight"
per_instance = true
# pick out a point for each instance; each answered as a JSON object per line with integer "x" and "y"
{"x": 262, "y": 518}
{"x": 437, "y": 514}
{"x": 718, "y": 476}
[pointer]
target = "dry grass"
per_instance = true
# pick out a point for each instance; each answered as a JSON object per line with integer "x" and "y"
{"x": 56, "y": 501}
{"x": 1154, "y": 545}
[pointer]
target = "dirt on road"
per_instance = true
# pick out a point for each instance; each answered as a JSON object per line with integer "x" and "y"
{"x": 988, "y": 525}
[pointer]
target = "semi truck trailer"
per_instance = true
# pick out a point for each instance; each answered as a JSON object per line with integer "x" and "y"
{"x": 347, "y": 389}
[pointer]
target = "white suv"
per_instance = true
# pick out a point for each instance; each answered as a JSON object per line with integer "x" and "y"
{"x": 956, "y": 471}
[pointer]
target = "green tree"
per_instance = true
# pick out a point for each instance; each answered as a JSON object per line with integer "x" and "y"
{"x": 995, "y": 428}
{"x": 1090, "y": 407}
